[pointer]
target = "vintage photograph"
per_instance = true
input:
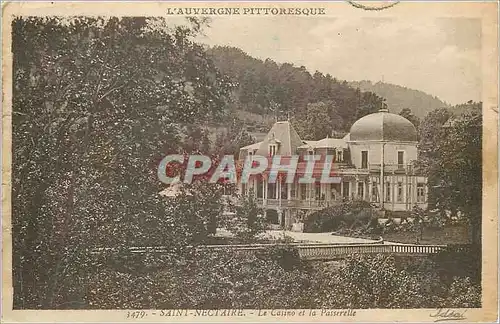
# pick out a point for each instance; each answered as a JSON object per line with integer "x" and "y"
{"x": 247, "y": 160}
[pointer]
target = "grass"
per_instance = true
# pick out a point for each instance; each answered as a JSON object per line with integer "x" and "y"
{"x": 457, "y": 234}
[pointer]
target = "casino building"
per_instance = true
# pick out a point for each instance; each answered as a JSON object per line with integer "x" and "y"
{"x": 373, "y": 162}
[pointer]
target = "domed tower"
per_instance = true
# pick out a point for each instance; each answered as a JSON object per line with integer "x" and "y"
{"x": 385, "y": 144}
{"x": 382, "y": 132}
{"x": 383, "y": 126}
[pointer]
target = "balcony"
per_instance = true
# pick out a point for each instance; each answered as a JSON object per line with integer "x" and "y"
{"x": 393, "y": 168}
{"x": 296, "y": 203}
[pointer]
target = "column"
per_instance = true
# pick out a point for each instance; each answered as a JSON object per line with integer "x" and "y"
{"x": 370, "y": 190}
{"x": 264, "y": 192}
{"x": 394, "y": 190}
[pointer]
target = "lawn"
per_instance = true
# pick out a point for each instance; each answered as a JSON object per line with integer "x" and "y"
{"x": 457, "y": 234}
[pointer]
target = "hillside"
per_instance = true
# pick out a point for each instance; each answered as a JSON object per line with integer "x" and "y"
{"x": 269, "y": 89}
{"x": 398, "y": 97}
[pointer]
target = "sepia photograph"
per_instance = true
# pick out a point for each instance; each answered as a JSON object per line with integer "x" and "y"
{"x": 250, "y": 161}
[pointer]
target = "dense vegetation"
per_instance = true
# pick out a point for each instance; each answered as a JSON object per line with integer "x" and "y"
{"x": 266, "y": 87}
{"x": 451, "y": 156}
{"x": 399, "y": 97}
{"x": 96, "y": 104}
{"x": 274, "y": 279}
{"x": 349, "y": 214}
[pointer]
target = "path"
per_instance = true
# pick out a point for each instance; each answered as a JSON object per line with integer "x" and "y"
{"x": 310, "y": 237}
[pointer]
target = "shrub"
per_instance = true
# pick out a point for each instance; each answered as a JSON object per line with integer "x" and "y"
{"x": 349, "y": 214}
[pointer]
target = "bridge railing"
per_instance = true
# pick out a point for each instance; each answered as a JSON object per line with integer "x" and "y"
{"x": 310, "y": 251}
{"x": 326, "y": 252}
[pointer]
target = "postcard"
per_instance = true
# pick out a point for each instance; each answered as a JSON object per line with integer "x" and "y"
{"x": 250, "y": 161}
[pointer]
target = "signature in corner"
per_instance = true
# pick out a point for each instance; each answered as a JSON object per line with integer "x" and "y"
{"x": 448, "y": 315}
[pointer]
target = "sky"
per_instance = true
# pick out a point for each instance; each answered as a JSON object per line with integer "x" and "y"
{"x": 440, "y": 56}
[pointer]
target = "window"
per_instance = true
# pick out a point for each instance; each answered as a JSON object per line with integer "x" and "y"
{"x": 339, "y": 156}
{"x": 271, "y": 191}
{"x": 420, "y": 193}
{"x": 374, "y": 192}
{"x": 292, "y": 191}
{"x": 250, "y": 153}
{"x": 318, "y": 192}
{"x": 361, "y": 190}
{"x": 284, "y": 190}
{"x": 346, "y": 190}
{"x": 259, "y": 190}
{"x": 272, "y": 150}
{"x": 401, "y": 159}
{"x": 388, "y": 191}
{"x": 400, "y": 191}
{"x": 303, "y": 191}
{"x": 310, "y": 152}
{"x": 364, "y": 159}
{"x": 334, "y": 191}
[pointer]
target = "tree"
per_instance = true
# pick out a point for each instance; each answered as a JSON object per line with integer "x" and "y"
{"x": 292, "y": 88}
{"x": 248, "y": 221}
{"x": 407, "y": 113}
{"x": 96, "y": 103}
{"x": 317, "y": 121}
{"x": 418, "y": 215}
{"x": 230, "y": 141}
{"x": 452, "y": 161}
{"x": 430, "y": 133}
{"x": 198, "y": 211}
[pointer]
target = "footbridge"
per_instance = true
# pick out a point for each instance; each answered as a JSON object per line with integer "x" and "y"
{"x": 309, "y": 251}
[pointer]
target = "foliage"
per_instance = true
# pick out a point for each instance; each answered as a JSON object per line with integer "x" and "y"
{"x": 276, "y": 279}
{"x": 349, "y": 214}
{"x": 408, "y": 114}
{"x": 206, "y": 280}
{"x": 230, "y": 141}
{"x": 96, "y": 104}
{"x": 419, "y": 217}
{"x": 265, "y": 85}
{"x": 248, "y": 221}
{"x": 463, "y": 293}
{"x": 197, "y": 211}
{"x": 317, "y": 121}
{"x": 451, "y": 158}
{"x": 383, "y": 282}
{"x": 398, "y": 96}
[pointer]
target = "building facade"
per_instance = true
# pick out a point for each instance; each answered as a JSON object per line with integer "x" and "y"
{"x": 373, "y": 162}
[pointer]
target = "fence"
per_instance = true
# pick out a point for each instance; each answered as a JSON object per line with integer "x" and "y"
{"x": 311, "y": 251}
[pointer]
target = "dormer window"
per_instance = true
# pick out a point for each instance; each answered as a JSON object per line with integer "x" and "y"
{"x": 250, "y": 152}
{"x": 273, "y": 148}
{"x": 310, "y": 152}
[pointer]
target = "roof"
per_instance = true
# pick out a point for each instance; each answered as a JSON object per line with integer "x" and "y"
{"x": 383, "y": 126}
{"x": 302, "y": 168}
{"x": 326, "y": 143}
{"x": 282, "y": 132}
{"x": 251, "y": 146}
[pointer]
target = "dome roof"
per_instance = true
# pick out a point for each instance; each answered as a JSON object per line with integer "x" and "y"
{"x": 383, "y": 126}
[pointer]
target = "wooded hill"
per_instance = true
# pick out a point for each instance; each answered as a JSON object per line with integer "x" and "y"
{"x": 264, "y": 86}
{"x": 399, "y": 97}
{"x": 269, "y": 88}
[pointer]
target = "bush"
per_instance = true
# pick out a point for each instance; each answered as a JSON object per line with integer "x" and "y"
{"x": 385, "y": 282}
{"x": 349, "y": 214}
{"x": 276, "y": 278}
